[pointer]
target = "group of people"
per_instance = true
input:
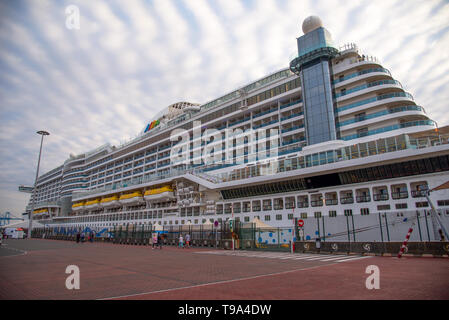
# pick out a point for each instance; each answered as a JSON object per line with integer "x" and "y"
{"x": 181, "y": 243}
{"x": 81, "y": 237}
{"x": 157, "y": 241}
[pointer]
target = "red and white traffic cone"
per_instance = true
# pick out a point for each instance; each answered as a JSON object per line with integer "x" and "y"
{"x": 404, "y": 244}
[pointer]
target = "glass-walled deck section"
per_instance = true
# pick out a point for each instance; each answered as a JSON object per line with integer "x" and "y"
{"x": 355, "y": 151}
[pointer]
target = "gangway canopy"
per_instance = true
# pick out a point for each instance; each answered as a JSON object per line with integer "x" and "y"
{"x": 207, "y": 223}
{"x": 257, "y": 224}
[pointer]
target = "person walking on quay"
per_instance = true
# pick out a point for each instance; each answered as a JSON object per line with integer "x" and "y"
{"x": 78, "y": 237}
{"x": 154, "y": 240}
{"x": 181, "y": 241}
{"x": 188, "y": 240}
{"x": 91, "y": 237}
{"x": 159, "y": 240}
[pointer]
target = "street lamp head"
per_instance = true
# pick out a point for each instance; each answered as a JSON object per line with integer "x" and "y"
{"x": 44, "y": 133}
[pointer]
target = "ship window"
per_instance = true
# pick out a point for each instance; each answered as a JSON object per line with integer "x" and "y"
{"x": 423, "y": 204}
{"x": 303, "y": 215}
{"x": 348, "y": 212}
{"x": 401, "y": 206}
{"x": 428, "y": 165}
{"x": 317, "y": 215}
{"x": 408, "y": 168}
{"x": 332, "y": 213}
{"x": 443, "y": 203}
{"x": 436, "y": 165}
{"x": 414, "y": 167}
{"x": 387, "y": 171}
{"x": 444, "y": 162}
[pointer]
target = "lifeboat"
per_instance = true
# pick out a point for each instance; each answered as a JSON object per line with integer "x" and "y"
{"x": 92, "y": 204}
{"x": 131, "y": 198}
{"x": 110, "y": 202}
{"x": 158, "y": 194}
{"x": 78, "y": 206}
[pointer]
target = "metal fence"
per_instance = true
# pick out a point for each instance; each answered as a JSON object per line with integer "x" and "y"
{"x": 340, "y": 230}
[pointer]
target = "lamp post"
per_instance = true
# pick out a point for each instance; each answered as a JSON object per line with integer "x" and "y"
{"x": 42, "y": 133}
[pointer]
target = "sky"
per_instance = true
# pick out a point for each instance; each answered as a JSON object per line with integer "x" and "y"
{"x": 104, "y": 81}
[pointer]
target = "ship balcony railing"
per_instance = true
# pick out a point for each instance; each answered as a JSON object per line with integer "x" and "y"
{"x": 374, "y": 99}
{"x": 290, "y": 151}
{"x": 260, "y": 114}
{"x": 219, "y": 211}
{"x": 290, "y": 104}
{"x": 265, "y": 124}
{"x": 227, "y": 211}
{"x": 390, "y": 128}
{"x": 366, "y": 86}
{"x": 399, "y": 195}
{"x": 278, "y": 207}
{"x": 237, "y": 210}
{"x": 347, "y": 200}
{"x": 238, "y": 122}
{"x": 303, "y": 204}
{"x": 286, "y": 143}
{"x": 331, "y": 202}
{"x": 292, "y": 116}
{"x": 380, "y": 197}
{"x": 318, "y": 203}
{"x": 418, "y": 193}
{"x": 267, "y": 208}
{"x": 356, "y": 74}
{"x": 363, "y": 199}
{"x": 164, "y": 148}
{"x": 292, "y": 128}
{"x": 289, "y": 206}
{"x": 256, "y": 208}
{"x": 379, "y": 114}
{"x": 246, "y": 210}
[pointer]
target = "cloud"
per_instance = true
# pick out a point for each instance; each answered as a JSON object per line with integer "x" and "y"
{"x": 131, "y": 59}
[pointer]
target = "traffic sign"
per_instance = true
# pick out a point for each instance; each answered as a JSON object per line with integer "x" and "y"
{"x": 301, "y": 223}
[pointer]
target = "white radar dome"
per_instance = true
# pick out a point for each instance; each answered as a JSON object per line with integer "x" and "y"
{"x": 311, "y": 23}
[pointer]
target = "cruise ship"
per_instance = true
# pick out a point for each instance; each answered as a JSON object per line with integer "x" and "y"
{"x": 333, "y": 140}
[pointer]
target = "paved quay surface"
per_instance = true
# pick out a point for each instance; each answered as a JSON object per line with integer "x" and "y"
{"x": 35, "y": 269}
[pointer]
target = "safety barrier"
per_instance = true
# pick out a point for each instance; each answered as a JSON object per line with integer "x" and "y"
{"x": 378, "y": 248}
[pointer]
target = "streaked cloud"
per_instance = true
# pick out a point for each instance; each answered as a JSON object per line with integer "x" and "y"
{"x": 130, "y": 59}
